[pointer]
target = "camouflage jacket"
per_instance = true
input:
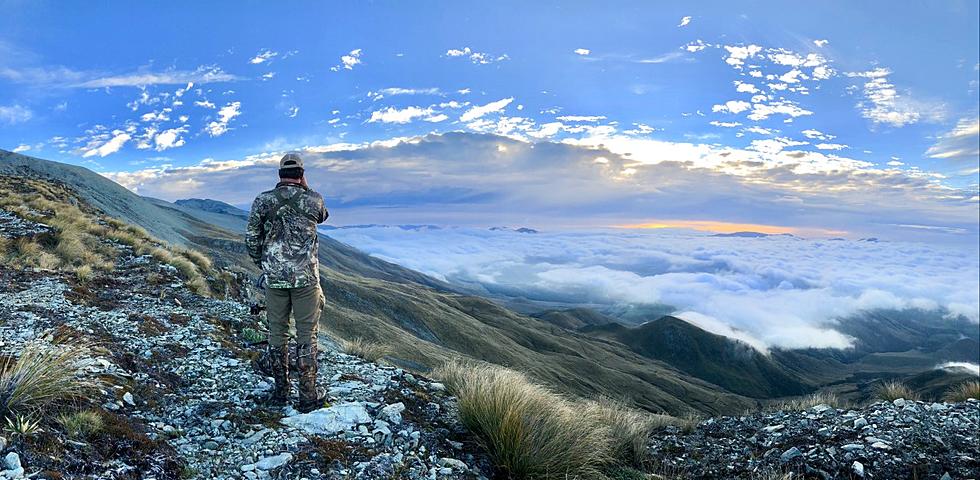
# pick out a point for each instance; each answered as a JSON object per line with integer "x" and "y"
{"x": 281, "y": 235}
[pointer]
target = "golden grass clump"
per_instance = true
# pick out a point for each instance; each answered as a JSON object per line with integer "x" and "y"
{"x": 359, "y": 347}
{"x": 630, "y": 429}
{"x": 529, "y": 431}
{"x": 41, "y": 375}
{"x": 806, "y": 402}
{"x": 963, "y": 392}
{"x": 893, "y": 390}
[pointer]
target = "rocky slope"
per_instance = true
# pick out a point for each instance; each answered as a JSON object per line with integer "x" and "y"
{"x": 885, "y": 440}
{"x": 179, "y": 397}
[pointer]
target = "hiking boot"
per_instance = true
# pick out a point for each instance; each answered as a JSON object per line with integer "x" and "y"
{"x": 310, "y": 398}
{"x": 278, "y": 369}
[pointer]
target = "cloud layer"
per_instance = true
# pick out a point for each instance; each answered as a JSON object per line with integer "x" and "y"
{"x": 600, "y": 180}
{"x": 774, "y": 291}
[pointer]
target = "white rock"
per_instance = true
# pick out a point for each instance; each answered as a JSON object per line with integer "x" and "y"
{"x": 858, "y": 468}
{"x": 128, "y": 398}
{"x": 274, "y": 462}
{"x": 393, "y": 412}
{"x": 12, "y": 460}
{"x": 899, "y": 402}
{"x": 330, "y": 420}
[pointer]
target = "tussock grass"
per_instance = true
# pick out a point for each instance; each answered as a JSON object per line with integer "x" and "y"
{"x": 806, "y": 402}
{"x": 893, "y": 390}
{"x": 963, "y": 392}
{"x": 532, "y": 432}
{"x": 83, "y": 273}
{"x": 82, "y": 424}
{"x": 370, "y": 351}
{"x": 41, "y": 375}
{"x": 630, "y": 429}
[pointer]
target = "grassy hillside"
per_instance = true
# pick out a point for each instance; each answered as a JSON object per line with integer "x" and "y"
{"x": 715, "y": 358}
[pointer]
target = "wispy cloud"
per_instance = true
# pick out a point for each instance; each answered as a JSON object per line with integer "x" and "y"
{"x": 883, "y": 104}
{"x": 685, "y": 21}
{"x": 961, "y": 145}
{"x": 481, "y": 110}
{"x": 66, "y": 78}
{"x": 15, "y": 114}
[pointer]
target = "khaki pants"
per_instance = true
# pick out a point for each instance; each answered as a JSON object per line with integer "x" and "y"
{"x": 304, "y": 303}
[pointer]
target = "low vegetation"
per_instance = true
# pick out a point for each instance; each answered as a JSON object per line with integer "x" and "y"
{"x": 370, "y": 351}
{"x": 532, "y": 432}
{"x": 82, "y": 424}
{"x": 893, "y": 390}
{"x": 76, "y": 242}
{"x": 806, "y": 402}
{"x": 963, "y": 392}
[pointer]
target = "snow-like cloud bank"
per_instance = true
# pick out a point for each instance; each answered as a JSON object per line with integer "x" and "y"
{"x": 961, "y": 367}
{"x": 777, "y": 291}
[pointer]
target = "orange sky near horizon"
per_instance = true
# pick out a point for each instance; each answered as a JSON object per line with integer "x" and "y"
{"x": 732, "y": 227}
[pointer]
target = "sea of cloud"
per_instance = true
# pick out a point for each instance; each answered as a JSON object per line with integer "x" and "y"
{"x": 777, "y": 291}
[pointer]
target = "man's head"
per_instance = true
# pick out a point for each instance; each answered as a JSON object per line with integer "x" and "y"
{"x": 291, "y": 167}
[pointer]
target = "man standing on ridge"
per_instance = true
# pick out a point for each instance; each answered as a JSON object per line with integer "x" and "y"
{"x": 281, "y": 238}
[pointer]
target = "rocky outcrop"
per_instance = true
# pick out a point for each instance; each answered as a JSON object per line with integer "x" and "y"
{"x": 886, "y": 440}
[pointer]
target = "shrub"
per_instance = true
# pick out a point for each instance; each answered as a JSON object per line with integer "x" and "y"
{"x": 367, "y": 350}
{"x": 528, "y": 431}
{"x": 963, "y": 392}
{"x": 893, "y": 390}
{"x": 252, "y": 335}
{"x": 41, "y": 375}
{"x": 81, "y": 424}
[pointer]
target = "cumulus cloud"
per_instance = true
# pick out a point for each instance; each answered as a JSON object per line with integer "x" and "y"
{"x": 15, "y": 114}
{"x": 821, "y": 43}
{"x": 770, "y": 292}
{"x": 737, "y": 54}
{"x": 685, "y": 21}
{"x": 263, "y": 57}
{"x": 21, "y": 148}
{"x": 220, "y": 126}
{"x": 481, "y": 110}
{"x": 479, "y": 58}
{"x": 170, "y": 138}
{"x": 403, "y": 115}
{"x": 732, "y": 106}
{"x": 347, "y": 62}
{"x": 582, "y": 51}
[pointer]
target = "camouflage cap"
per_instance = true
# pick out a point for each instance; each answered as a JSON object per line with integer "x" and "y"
{"x": 291, "y": 160}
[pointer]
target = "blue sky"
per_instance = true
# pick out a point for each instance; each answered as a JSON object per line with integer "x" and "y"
{"x": 820, "y": 118}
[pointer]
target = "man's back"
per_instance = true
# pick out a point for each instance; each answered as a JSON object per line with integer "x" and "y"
{"x": 281, "y": 235}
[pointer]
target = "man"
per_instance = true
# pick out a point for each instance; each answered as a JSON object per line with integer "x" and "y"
{"x": 281, "y": 238}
